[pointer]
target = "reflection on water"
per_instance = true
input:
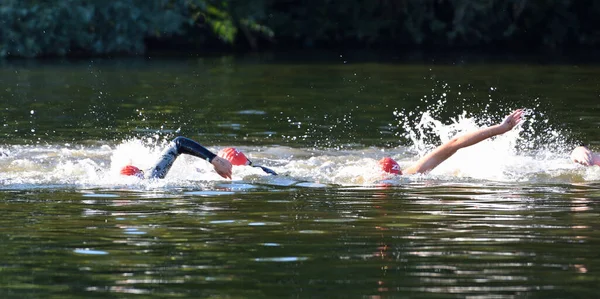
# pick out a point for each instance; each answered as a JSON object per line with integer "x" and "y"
{"x": 450, "y": 240}
{"x": 510, "y": 217}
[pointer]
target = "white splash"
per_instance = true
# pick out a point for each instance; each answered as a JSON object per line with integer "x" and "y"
{"x": 508, "y": 157}
{"x": 524, "y": 155}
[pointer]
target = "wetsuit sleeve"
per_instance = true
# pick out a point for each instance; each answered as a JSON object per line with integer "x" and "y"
{"x": 191, "y": 147}
{"x": 179, "y": 145}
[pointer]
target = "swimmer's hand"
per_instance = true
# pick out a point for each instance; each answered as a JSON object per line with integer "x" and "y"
{"x": 222, "y": 167}
{"x": 511, "y": 120}
{"x": 583, "y": 156}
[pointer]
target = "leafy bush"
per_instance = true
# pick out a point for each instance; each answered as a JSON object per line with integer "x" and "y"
{"x": 36, "y": 28}
{"x": 32, "y": 28}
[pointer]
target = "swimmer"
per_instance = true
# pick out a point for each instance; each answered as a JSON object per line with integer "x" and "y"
{"x": 582, "y": 155}
{"x": 178, "y": 146}
{"x": 446, "y": 150}
{"x": 236, "y": 157}
{"x": 222, "y": 161}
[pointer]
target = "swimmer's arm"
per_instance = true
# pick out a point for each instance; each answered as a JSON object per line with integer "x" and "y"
{"x": 584, "y": 156}
{"x": 190, "y": 147}
{"x": 446, "y": 150}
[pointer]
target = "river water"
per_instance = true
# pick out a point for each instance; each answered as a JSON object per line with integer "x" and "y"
{"x": 509, "y": 217}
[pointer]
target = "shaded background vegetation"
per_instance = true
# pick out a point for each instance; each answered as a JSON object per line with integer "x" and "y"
{"x": 33, "y": 28}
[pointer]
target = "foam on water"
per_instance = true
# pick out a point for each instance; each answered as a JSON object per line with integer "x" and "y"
{"x": 508, "y": 157}
{"x": 532, "y": 153}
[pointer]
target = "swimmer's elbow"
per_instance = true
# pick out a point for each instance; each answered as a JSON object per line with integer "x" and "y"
{"x": 177, "y": 140}
{"x": 451, "y": 147}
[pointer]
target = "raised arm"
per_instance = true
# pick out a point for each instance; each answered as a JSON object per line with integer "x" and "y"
{"x": 182, "y": 145}
{"x": 446, "y": 150}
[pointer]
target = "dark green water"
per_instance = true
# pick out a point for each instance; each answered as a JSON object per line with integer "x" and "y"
{"x": 72, "y": 228}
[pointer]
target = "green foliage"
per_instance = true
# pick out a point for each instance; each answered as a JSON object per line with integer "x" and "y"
{"x": 32, "y": 28}
{"x": 552, "y": 23}
{"x": 36, "y": 28}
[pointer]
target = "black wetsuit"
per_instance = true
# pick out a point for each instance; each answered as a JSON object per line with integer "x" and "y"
{"x": 178, "y": 146}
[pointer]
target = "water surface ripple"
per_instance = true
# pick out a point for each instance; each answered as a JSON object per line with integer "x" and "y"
{"x": 512, "y": 217}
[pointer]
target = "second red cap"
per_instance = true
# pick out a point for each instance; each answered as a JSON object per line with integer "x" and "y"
{"x": 234, "y": 156}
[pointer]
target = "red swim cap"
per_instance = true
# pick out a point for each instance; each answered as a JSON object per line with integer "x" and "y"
{"x": 388, "y": 165}
{"x": 234, "y": 156}
{"x": 131, "y": 170}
